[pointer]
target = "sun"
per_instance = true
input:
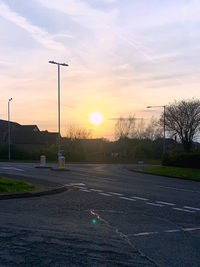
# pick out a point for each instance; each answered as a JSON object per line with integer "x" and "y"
{"x": 95, "y": 118}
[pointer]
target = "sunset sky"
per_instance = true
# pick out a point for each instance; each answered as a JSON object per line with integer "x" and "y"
{"x": 123, "y": 55}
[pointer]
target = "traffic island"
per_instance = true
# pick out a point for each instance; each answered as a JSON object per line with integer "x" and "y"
{"x": 59, "y": 169}
{"x": 43, "y": 167}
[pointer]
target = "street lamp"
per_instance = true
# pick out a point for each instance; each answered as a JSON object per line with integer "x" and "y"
{"x": 59, "y": 136}
{"x": 9, "y": 127}
{"x": 164, "y": 145}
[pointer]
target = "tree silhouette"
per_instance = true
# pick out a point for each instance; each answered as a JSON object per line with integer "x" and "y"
{"x": 183, "y": 118}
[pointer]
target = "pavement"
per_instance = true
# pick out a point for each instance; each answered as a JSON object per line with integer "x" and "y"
{"x": 109, "y": 216}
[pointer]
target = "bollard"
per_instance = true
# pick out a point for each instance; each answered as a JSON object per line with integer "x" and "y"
{"x": 42, "y": 160}
{"x": 61, "y": 162}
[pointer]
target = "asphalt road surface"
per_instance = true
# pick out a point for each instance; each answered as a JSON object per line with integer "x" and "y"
{"x": 109, "y": 216}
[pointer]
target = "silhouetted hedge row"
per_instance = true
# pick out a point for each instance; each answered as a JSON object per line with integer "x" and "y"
{"x": 190, "y": 160}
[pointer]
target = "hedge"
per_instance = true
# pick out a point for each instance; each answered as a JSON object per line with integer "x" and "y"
{"x": 190, "y": 160}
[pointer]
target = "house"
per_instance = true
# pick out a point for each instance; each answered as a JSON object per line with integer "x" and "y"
{"x": 26, "y": 136}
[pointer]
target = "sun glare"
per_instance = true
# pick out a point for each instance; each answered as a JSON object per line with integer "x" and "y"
{"x": 95, "y": 118}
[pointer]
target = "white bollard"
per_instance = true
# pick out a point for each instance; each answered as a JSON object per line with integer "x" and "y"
{"x": 42, "y": 161}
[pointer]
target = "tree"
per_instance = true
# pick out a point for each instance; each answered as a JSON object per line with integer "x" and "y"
{"x": 183, "y": 118}
{"x": 75, "y": 132}
{"x": 124, "y": 127}
{"x": 151, "y": 131}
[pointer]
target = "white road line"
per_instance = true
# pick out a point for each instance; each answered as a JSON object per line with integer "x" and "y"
{"x": 141, "y": 198}
{"x": 104, "y": 194}
{"x": 166, "y": 231}
{"x": 116, "y": 194}
{"x": 12, "y": 168}
{"x": 85, "y": 190}
{"x": 166, "y": 203}
{"x": 127, "y": 198}
{"x": 172, "y": 231}
{"x": 96, "y": 190}
{"x": 81, "y": 187}
{"x": 191, "y": 229}
{"x": 78, "y": 184}
{"x": 146, "y": 233}
{"x": 191, "y": 211}
{"x": 191, "y": 208}
{"x": 178, "y": 189}
{"x": 154, "y": 204}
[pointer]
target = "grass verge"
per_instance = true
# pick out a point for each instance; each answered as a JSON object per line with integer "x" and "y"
{"x": 173, "y": 171}
{"x": 9, "y": 186}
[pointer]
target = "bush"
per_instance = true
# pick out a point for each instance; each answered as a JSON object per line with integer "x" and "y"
{"x": 182, "y": 160}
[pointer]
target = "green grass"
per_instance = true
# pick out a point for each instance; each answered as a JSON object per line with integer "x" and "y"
{"x": 8, "y": 186}
{"x": 173, "y": 171}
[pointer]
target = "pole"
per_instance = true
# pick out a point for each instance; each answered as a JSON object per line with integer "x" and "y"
{"x": 164, "y": 144}
{"x": 59, "y": 135}
{"x": 9, "y": 129}
{"x": 59, "y": 152}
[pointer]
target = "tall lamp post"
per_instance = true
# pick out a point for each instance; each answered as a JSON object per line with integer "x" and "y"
{"x": 9, "y": 128}
{"x": 164, "y": 143}
{"x": 59, "y": 136}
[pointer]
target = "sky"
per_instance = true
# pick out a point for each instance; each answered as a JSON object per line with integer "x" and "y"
{"x": 122, "y": 56}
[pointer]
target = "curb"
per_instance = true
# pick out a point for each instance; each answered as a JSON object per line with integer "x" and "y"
{"x": 59, "y": 169}
{"x": 42, "y": 167}
{"x": 52, "y": 168}
{"x": 155, "y": 174}
{"x": 35, "y": 194}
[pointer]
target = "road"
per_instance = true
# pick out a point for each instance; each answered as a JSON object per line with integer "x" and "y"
{"x": 109, "y": 216}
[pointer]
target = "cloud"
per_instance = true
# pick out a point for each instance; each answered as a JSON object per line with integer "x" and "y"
{"x": 109, "y": 1}
{"x": 38, "y": 34}
{"x": 124, "y": 119}
{"x": 81, "y": 12}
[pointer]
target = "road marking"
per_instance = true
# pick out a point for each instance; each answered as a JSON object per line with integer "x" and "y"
{"x": 81, "y": 187}
{"x": 96, "y": 190}
{"x": 104, "y": 194}
{"x": 127, "y": 198}
{"x": 166, "y": 231}
{"x": 116, "y": 194}
{"x": 12, "y": 168}
{"x": 172, "y": 231}
{"x": 178, "y": 189}
{"x": 85, "y": 190}
{"x": 191, "y": 229}
{"x": 154, "y": 204}
{"x": 166, "y": 203}
{"x": 141, "y": 198}
{"x": 187, "y": 207}
{"x": 191, "y": 211}
{"x": 146, "y": 233}
{"x": 78, "y": 184}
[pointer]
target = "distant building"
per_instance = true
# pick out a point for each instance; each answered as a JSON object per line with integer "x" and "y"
{"x": 23, "y": 135}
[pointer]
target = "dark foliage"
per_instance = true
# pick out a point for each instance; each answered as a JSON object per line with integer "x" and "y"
{"x": 190, "y": 160}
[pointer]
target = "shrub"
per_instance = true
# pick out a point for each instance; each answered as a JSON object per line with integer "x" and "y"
{"x": 189, "y": 160}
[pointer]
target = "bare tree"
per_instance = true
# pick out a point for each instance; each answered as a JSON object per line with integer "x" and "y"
{"x": 75, "y": 132}
{"x": 183, "y": 118}
{"x": 124, "y": 127}
{"x": 153, "y": 130}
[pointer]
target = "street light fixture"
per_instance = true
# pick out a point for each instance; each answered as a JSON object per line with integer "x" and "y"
{"x": 59, "y": 136}
{"x": 164, "y": 143}
{"x": 10, "y": 99}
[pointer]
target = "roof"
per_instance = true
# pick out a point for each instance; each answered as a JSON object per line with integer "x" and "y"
{"x": 26, "y": 134}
